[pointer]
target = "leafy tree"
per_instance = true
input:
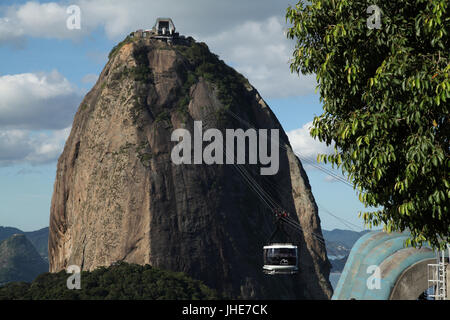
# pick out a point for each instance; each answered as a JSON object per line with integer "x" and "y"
{"x": 385, "y": 95}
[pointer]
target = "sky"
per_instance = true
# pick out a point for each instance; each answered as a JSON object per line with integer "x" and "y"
{"x": 46, "y": 68}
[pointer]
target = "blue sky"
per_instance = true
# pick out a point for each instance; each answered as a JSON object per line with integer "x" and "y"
{"x": 45, "y": 69}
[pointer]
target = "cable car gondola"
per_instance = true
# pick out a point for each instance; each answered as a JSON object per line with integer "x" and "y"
{"x": 280, "y": 258}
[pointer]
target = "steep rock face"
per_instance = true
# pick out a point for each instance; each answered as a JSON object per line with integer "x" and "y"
{"x": 118, "y": 196}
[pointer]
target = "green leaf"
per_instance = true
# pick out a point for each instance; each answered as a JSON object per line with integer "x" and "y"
{"x": 387, "y": 114}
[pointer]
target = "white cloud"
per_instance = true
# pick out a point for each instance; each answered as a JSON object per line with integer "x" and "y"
{"x": 305, "y": 145}
{"x": 48, "y": 147}
{"x": 200, "y": 17}
{"x": 25, "y": 146}
{"x": 37, "y": 101}
{"x": 119, "y": 17}
{"x": 13, "y": 145}
{"x": 36, "y": 111}
{"x": 249, "y": 34}
{"x": 34, "y": 19}
{"x": 246, "y": 34}
{"x": 261, "y": 52}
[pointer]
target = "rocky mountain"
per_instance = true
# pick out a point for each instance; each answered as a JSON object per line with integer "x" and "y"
{"x": 6, "y": 232}
{"x": 345, "y": 237}
{"x": 337, "y": 265}
{"x": 340, "y": 242}
{"x": 38, "y": 238}
{"x": 19, "y": 260}
{"x": 119, "y": 197}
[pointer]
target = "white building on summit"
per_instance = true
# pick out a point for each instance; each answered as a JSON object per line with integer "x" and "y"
{"x": 164, "y": 29}
{"x": 164, "y": 26}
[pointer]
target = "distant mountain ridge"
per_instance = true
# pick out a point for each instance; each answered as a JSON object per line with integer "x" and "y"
{"x": 38, "y": 238}
{"x": 346, "y": 238}
{"x": 6, "y": 232}
{"x": 19, "y": 260}
{"x": 339, "y": 243}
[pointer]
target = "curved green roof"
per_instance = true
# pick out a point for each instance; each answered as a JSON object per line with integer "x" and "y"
{"x": 385, "y": 250}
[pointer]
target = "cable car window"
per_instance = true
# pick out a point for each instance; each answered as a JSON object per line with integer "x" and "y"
{"x": 280, "y": 256}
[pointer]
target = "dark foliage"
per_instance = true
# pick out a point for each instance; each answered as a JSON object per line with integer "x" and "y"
{"x": 385, "y": 95}
{"x": 121, "y": 281}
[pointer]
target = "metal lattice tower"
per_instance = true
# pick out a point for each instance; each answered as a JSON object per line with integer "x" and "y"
{"x": 437, "y": 275}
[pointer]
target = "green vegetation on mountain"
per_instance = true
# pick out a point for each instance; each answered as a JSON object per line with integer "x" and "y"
{"x": 230, "y": 84}
{"x": 385, "y": 94}
{"x": 19, "y": 260}
{"x": 38, "y": 238}
{"x": 6, "y": 232}
{"x": 119, "y": 281}
{"x": 117, "y": 47}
